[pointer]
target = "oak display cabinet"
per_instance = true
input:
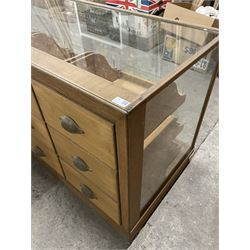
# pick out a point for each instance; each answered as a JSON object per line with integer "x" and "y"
{"x": 112, "y": 117}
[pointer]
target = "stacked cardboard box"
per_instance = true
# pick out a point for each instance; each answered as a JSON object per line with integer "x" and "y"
{"x": 141, "y": 33}
{"x": 138, "y": 32}
{"x": 182, "y": 42}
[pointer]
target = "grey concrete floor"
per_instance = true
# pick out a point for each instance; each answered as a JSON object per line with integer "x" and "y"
{"x": 187, "y": 218}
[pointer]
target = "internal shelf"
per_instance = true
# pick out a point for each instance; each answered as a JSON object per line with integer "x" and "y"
{"x": 161, "y": 151}
{"x": 158, "y": 130}
{"x": 161, "y": 107}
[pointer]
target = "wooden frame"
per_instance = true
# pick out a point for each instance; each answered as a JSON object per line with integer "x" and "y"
{"x": 129, "y": 124}
{"x": 130, "y": 143}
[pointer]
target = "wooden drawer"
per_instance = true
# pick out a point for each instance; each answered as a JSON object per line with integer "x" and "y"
{"x": 98, "y": 134}
{"x": 92, "y": 192}
{"x": 34, "y": 107}
{"x": 40, "y": 151}
{"x": 86, "y": 164}
{"x": 39, "y": 129}
{"x": 40, "y": 132}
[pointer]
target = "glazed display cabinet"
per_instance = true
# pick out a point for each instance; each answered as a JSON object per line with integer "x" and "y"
{"x": 117, "y": 102}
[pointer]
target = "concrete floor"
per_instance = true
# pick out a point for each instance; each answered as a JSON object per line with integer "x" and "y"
{"x": 187, "y": 218}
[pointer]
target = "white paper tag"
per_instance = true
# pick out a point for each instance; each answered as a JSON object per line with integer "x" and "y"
{"x": 202, "y": 64}
{"x": 121, "y": 102}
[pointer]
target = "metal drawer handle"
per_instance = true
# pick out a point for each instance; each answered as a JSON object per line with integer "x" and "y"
{"x": 87, "y": 192}
{"x": 80, "y": 164}
{"x": 70, "y": 125}
{"x": 38, "y": 152}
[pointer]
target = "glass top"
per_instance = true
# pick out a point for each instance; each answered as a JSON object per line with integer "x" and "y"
{"x": 128, "y": 53}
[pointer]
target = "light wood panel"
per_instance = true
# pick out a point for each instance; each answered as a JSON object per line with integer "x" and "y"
{"x": 98, "y": 136}
{"x": 133, "y": 83}
{"x": 99, "y": 173}
{"x": 49, "y": 156}
{"x": 77, "y": 94}
{"x": 81, "y": 78}
{"x": 122, "y": 155}
{"x": 161, "y": 106}
{"x": 135, "y": 142}
{"x": 126, "y": 84}
{"x": 158, "y": 131}
{"x": 39, "y": 130}
{"x": 101, "y": 200}
{"x": 137, "y": 80}
{"x": 34, "y": 107}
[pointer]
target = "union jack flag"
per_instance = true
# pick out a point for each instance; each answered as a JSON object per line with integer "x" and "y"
{"x": 144, "y": 6}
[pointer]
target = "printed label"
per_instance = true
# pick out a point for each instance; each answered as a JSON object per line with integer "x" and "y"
{"x": 201, "y": 64}
{"x": 121, "y": 102}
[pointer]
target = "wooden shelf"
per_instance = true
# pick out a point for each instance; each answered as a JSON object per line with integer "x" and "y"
{"x": 161, "y": 107}
{"x": 161, "y": 152}
{"x": 158, "y": 131}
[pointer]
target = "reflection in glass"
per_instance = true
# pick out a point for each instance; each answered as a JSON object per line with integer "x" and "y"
{"x": 170, "y": 124}
{"x": 132, "y": 53}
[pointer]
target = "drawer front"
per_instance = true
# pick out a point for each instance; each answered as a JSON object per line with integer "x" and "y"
{"x": 92, "y": 192}
{"x": 40, "y": 132}
{"x": 34, "y": 107}
{"x": 83, "y": 127}
{"x": 86, "y": 164}
{"x": 40, "y": 151}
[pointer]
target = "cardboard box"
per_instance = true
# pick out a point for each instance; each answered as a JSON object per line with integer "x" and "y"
{"x": 137, "y": 32}
{"x": 139, "y": 26}
{"x": 145, "y": 6}
{"x": 185, "y": 12}
{"x": 178, "y": 50}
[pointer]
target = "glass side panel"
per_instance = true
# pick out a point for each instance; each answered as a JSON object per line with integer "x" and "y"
{"x": 170, "y": 124}
{"x": 129, "y": 53}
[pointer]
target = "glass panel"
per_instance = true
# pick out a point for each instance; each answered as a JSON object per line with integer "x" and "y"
{"x": 170, "y": 124}
{"x": 130, "y": 54}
